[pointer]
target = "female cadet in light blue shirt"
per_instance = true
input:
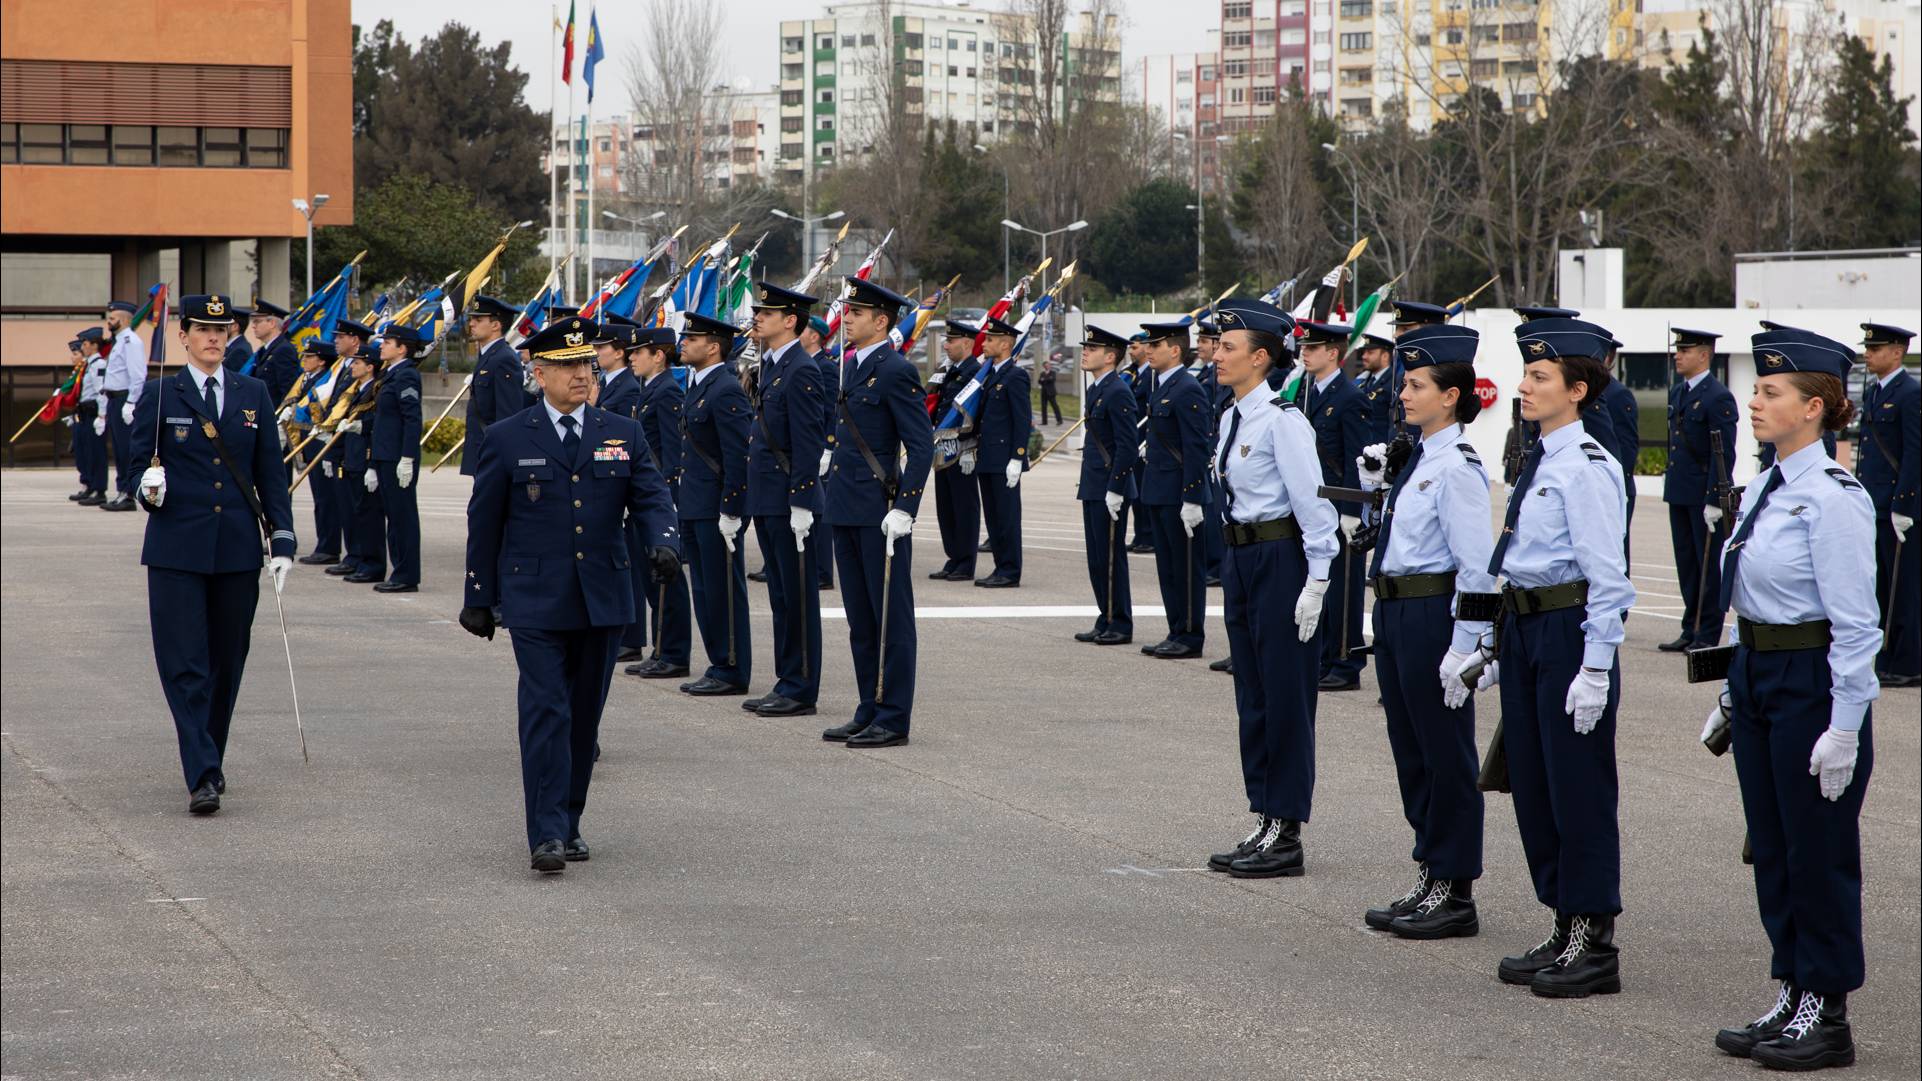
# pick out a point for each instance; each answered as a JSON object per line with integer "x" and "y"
{"x": 1800, "y": 680}
{"x": 1567, "y": 588}
{"x": 1434, "y": 543}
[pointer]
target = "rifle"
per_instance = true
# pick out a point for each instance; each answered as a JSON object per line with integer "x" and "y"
{"x": 1514, "y": 455}
{"x": 1718, "y": 490}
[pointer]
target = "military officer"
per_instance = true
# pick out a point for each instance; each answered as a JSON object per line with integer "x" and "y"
{"x": 814, "y": 341}
{"x": 350, "y": 341}
{"x": 1700, "y": 411}
{"x": 1107, "y": 484}
{"x": 366, "y": 533}
{"x": 498, "y": 386}
{"x": 620, "y": 394}
{"x": 214, "y": 491}
{"x": 90, "y": 418}
{"x": 1612, "y": 419}
{"x": 275, "y": 363}
{"x": 1410, "y": 314}
{"x": 871, "y": 507}
{"x": 1005, "y": 421}
{"x": 658, "y": 407}
{"x": 711, "y": 495}
{"x": 395, "y": 442}
{"x": 310, "y": 396}
{"x": 126, "y": 376}
{"x": 241, "y": 349}
{"x": 545, "y": 543}
{"x": 1175, "y": 487}
{"x": 1141, "y": 379}
{"x": 957, "y": 501}
{"x": 1798, "y": 696}
{"x": 1207, "y": 340}
{"x": 1377, "y": 386}
{"x": 1339, "y": 415}
{"x": 1890, "y": 465}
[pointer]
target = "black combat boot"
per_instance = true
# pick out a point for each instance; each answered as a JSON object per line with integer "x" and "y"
{"x": 1380, "y": 918}
{"x": 1588, "y": 965}
{"x": 1447, "y": 912}
{"x": 1740, "y": 1041}
{"x": 1279, "y": 855}
{"x": 1220, "y": 860}
{"x": 1522, "y": 969}
{"x": 1817, "y": 1036}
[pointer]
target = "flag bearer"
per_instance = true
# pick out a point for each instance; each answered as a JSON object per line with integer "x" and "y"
{"x": 311, "y": 394}
{"x": 350, "y": 342}
{"x": 957, "y": 502}
{"x": 366, "y": 535}
{"x": 499, "y": 384}
{"x": 90, "y": 419}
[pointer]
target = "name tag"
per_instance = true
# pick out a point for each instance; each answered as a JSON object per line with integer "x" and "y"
{"x": 180, "y": 420}
{"x": 531, "y": 461}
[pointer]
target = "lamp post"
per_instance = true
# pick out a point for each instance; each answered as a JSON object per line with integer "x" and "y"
{"x": 633, "y": 224}
{"x": 1007, "y": 211}
{"x": 807, "y": 231}
{"x": 1071, "y": 227}
{"x": 1354, "y": 216}
{"x": 308, "y": 210}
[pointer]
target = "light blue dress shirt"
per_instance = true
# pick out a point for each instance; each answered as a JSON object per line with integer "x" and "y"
{"x": 1442, "y": 523}
{"x": 127, "y": 365}
{"x": 1274, "y": 471}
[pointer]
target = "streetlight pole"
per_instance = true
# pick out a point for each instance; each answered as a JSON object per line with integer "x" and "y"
{"x": 633, "y": 224}
{"x": 308, "y": 210}
{"x": 807, "y": 231}
{"x": 1007, "y": 211}
{"x": 1074, "y": 226}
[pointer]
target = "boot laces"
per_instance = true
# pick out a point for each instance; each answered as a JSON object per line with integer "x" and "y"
{"x": 1807, "y": 1013}
{"x": 1784, "y": 998}
{"x": 1262, "y": 824}
{"x": 1437, "y": 897}
{"x": 1577, "y": 941}
{"x": 1422, "y": 882}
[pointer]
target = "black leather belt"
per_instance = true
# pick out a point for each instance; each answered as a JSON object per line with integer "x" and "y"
{"x": 1528, "y": 602}
{"x": 1780, "y": 637}
{"x": 1412, "y": 586}
{"x": 1237, "y": 534}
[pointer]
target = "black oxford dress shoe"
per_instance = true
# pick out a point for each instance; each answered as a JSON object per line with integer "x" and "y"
{"x": 757, "y": 576}
{"x": 317, "y": 559}
{"x": 940, "y": 575}
{"x": 1332, "y": 682}
{"x": 550, "y": 857}
{"x": 575, "y": 851}
{"x": 205, "y": 799}
{"x": 630, "y": 653}
{"x": 124, "y": 503}
{"x": 1113, "y": 638}
{"x": 93, "y": 499}
{"x": 961, "y": 574}
{"x": 1086, "y": 636}
{"x": 1175, "y": 651}
{"x": 841, "y": 733}
{"x": 397, "y": 587}
{"x": 80, "y": 495}
{"x": 1225, "y": 664}
{"x": 1150, "y": 649}
{"x": 662, "y": 670}
{"x": 997, "y": 581}
{"x": 1680, "y": 645}
{"x": 709, "y": 687}
{"x": 875, "y": 736}
{"x": 342, "y": 570}
{"x": 780, "y": 705}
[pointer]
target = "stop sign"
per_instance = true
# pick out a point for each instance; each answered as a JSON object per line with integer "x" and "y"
{"x": 1485, "y": 390}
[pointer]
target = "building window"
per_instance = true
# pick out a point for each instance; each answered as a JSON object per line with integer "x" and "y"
{"x": 43, "y": 144}
{"x": 1518, "y": 67}
{"x": 1235, "y": 95}
{"x": 825, "y": 152}
{"x": 1264, "y": 95}
{"x": 220, "y": 147}
{"x": 1357, "y": 76}
{"x": 1207, "y": 73}
{"x": 793, "y": 71}
{"x": 825, "y": 97}
{"x": 1293, "y": 37}
{"x": 825, "y": 41}
{"x": 1484, "y": 69}
{"x": 970, "y": 73}
{"x": 826, "y": 123}
{"x": 1234, "y": 69}
{"x": 847, "y": 41}
{"x": 1264, "y": 39}
{"x": 1293, "y": 9}
{"x": 790, "y": 97}
{"x": 1235, "y": 39}
{"x": 1357, "y": 107}
{"x": 1362, "y": 9}
{"x": 953, "y": 72}
{"x": 87, "y": 144}
{"x": 1518, "y": 33}
{"x": 911, "y": 41}
{"x": 1357, "y": 42}
{"x": 792, "y": 45}
{"x": 867, "y": 40}
{"x": 133, "y": 144}
{"x": 1523, "y": 101}
{"x": 790, "y": 151}
{"x": 1238, "y": 9}
{"x": 179, "y": 146}
{"x": 791, "y": 123}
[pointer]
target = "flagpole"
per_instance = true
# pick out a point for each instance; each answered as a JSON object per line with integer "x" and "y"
{"x": 573, "y": 187}
{"x": 554, "y": 144}
{"x": 593, "y": 165}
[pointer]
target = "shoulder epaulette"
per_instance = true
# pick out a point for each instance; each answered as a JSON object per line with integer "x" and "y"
{"x": 1283, "y": 402}
{"x": 1594, "y": 451}
{"x": 1468, "y": 452}
{"x": 1842, "y": 477}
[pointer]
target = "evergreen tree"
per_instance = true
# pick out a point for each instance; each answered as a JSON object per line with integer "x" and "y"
{"x": 1865, "y": 153}
{"x": 1146, "y": 242}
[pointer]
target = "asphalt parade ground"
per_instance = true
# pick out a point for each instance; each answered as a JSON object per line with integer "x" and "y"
{"x": 1019, "y": 893}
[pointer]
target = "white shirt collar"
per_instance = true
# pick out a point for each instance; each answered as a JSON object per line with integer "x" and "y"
{"x": 1695, "y": 380}
{"x": 1803, "y": 460}
{"x": 200, "y": 378}
{"x": 862, "y": 354}
{"x": 1442, "y": 438}
{"x": 579, "y": 413}
{"x": 696, "y": 375}
{"x": 1883, "y": 381}
{"x": 1322, "y": 383}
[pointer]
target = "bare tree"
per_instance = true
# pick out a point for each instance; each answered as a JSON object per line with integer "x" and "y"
{"x": 1278, "y": 206}
{"x": 1398, "y": 181}
{"x": 681, "y": 118}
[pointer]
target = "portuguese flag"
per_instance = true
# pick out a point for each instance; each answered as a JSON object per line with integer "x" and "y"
{"x": 567, "y": 47}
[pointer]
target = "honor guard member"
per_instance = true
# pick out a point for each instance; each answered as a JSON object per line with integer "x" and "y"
{"x": 1339, "y": 415}
{"x": 1700, "y": 411}
{"x": 125, "y": 378}
{"x": 957, "y": 501}
{"x": 212, "y": 483}
{"x": 711, "y": 495}
{"x": 1433, "y": 545}
{"x": 1175, "y": 488}
{"x": 1566, "y": 590}
{"x": 650, "y": 356}
{"x": 620, "y": 394}
{"x": 275, "y": 363}
{"x": 545, "y": 543}
{"x": 499, "y": 385}
{"x": 1612, "y": 419}
{"x": 395, "y": 439}
{"x": 1207, "y": 340}
{"x": 1280, "y": 536}
{"x": 1005, "y": 421}
{"x": 311, "y": 393}
{"x": 1107, "y": 484}
{"x": 350, "y": 340}
{"x": 1141, "y": 377}
{"x": 366, "y": 528}
{"x": 1377, "y": 386}
{"x": 241, "y": 349}
{"x": 90, "y": 419}
{"x": 784, "y": 449}
{"x": 1410, "y": 314}
{"x": 814, "y": 342}
{"x": 1890, "y": 463}
{"x": 1797, "y": 700}
{"x": 871, "y": 506}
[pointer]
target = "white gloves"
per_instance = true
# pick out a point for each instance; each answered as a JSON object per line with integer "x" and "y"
{"x": 1308, "y": 608}
{"x": 278, "y": 566}
{"x": 730, "y": 529}
{"x": 1491, "y": 675}
{"x": 373, "y": 481}
{"x": 1014, "y": 472}
{"x": 1454, "y": 691}
{"x": 100, "y": 425}
{"x": 327, "y": 469}
{"x": 349, "y": 426}
{"x": 827, "y": 459}
{"x": 68, "y": 420}
{"x": 1191, "y": 519}
{"x": 153, "y": 485}
{"x": 404, "y": 472}
{"x": 1713, "y": 515}
{"x": 1350, "y": 525}
{"x": 1833, "y": 761}
{"x": 1116, "y": 504}
{"x": 126, "y": 413}
{"x": 1371, "y": 463}
{"x": 895, "y": 525}
{"x": 801, "y": 521}
{"x": 1714, "y": 721}
{"x": 967, "y": 463}
{"x": 286, "y": 415}
{"x": 1587, "y": 699}
{"x": 1901, "y": 522}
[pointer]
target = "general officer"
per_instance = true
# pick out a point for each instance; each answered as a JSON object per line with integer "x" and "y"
{"x": 498, "y": 387}
{"x": 1701, "y": 412}
{"x": 212, "y": 486}
{"x": 1800, "y": 683}
{"x": 1107, "y": 484}
{"x": 1339, "y": 415}
{"x": 957, "y": 501}
{"x": 125, "y": 378}
{"x": 871, "y": 506}
{"x": 90, "y": 419}
{"x": 1433, "y": 546}
{"x": 711, "y": 494}
{"x": 650, "y": 355}
{"x": 395, "y": 440}
{"x": 1378, "y": 386}
{"x": 1890, "y": 463}
{"x": 784, "y": 448}
{"x": 1280, "y": 536}
{"x": 241, "y": 349}
{"x": 1567, "y": 589}
{"x": 366, "y": 533}
{"x": 350, "y": 342}
{"x": 275, "y": 363}
{"x": 545, "y": 543}
{"x": 1175, "y": 488}
{"x": 1006, "y": 421}
{"x": 1141, "y": 378}
{"x": 310, "y": 396}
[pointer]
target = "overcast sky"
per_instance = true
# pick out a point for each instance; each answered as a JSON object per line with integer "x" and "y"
{"x": 1148, "y": 26}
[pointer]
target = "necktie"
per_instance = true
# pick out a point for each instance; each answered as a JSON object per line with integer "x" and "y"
{"x": 1515, "y": 507}
{"x": 1221, "y": 468}
{"x": 1388, "y": 516}
{"x": 1732, "y": 555}
{"x": 210, "y": 394}
{"x": 570, "y": 439}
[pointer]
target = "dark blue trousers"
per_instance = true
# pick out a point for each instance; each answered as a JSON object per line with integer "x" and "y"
{"x": 1341, "y": 608}
{"x": 1178, "y": 559}
{"x": 1001, "y": 507}
{"x": 327, "y": 517}
{"x": 634, "y": 635}
{"x": 794, "y": 600}
{"x": 122, "y": 439}
{"x": 563, "y": 687}
{"x": 1902, "y": 624}
{"x": 863, "y": 555}
{"x": 400, "y": 508}
{"x": 822, "y": 545}
{"x": 1689, "y": 532}
{"x": 1564, "y": 784}
{"x": 708, "y": 569}
{"x": 1274, "y": 675}
{"x": 957, "y": 508}
{"x": 1107, "y": 541}
{"x": 89, "y": 452}
{"x": 1434, "y": 746}
{"x": 664, "y": 605}
{"x": 202, "y": 625}
{"x": 1211, "y": 533}
{"x": 366, "y": 532}
{"x": 1808, "y": 851}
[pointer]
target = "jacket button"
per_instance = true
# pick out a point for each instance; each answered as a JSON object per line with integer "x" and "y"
{"x": 216, "y": 461}
{"x": 577, "y": 529}
{"x": 216, "y": 508}
{"x": 577, "y": 504}
{"x": 216, "y": 485}
{"x": 580, "y": 555}
{"x": 577, "y": 478}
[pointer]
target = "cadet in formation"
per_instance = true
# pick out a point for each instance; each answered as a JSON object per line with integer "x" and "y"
{"x": 1701, "y": 447}
{"x": 1280, "y": 536}
{"x": 1107, "y": 484}
{"x": 1006, "y": 419}
{"x": 1890, "y": 464}
{"x": 215, "y": 492}
{"x": 657, "y": 405}
{"x": 395, "y": 442}
{"x": 1175, "y": 488}
{"x": 545, "y": 543}
{"x": 299, "y": 413}
{"x": 957, "y": 502}
{"x": 1339, "y": 415}
{"x": 1800, "y": 681}
{"x": 814, "y": 341}
{"x": 620, "y": 394}
{"x": 1141, "y": 378}
{"x": 276, "y": 362}
{"x": 125, "y": 378}
{"x": 350, "y": 342}
{"x": 366, "y": 543}
{"x": 1207, "y": 341}
{"x": 498, "y": 387}
{"x": 871, "y": 507}
{"x": 241, "y": 349}
{"x": 90, "y": 418}
{"x": 1378, "y": 386}
{"x": 710, "y": 493}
